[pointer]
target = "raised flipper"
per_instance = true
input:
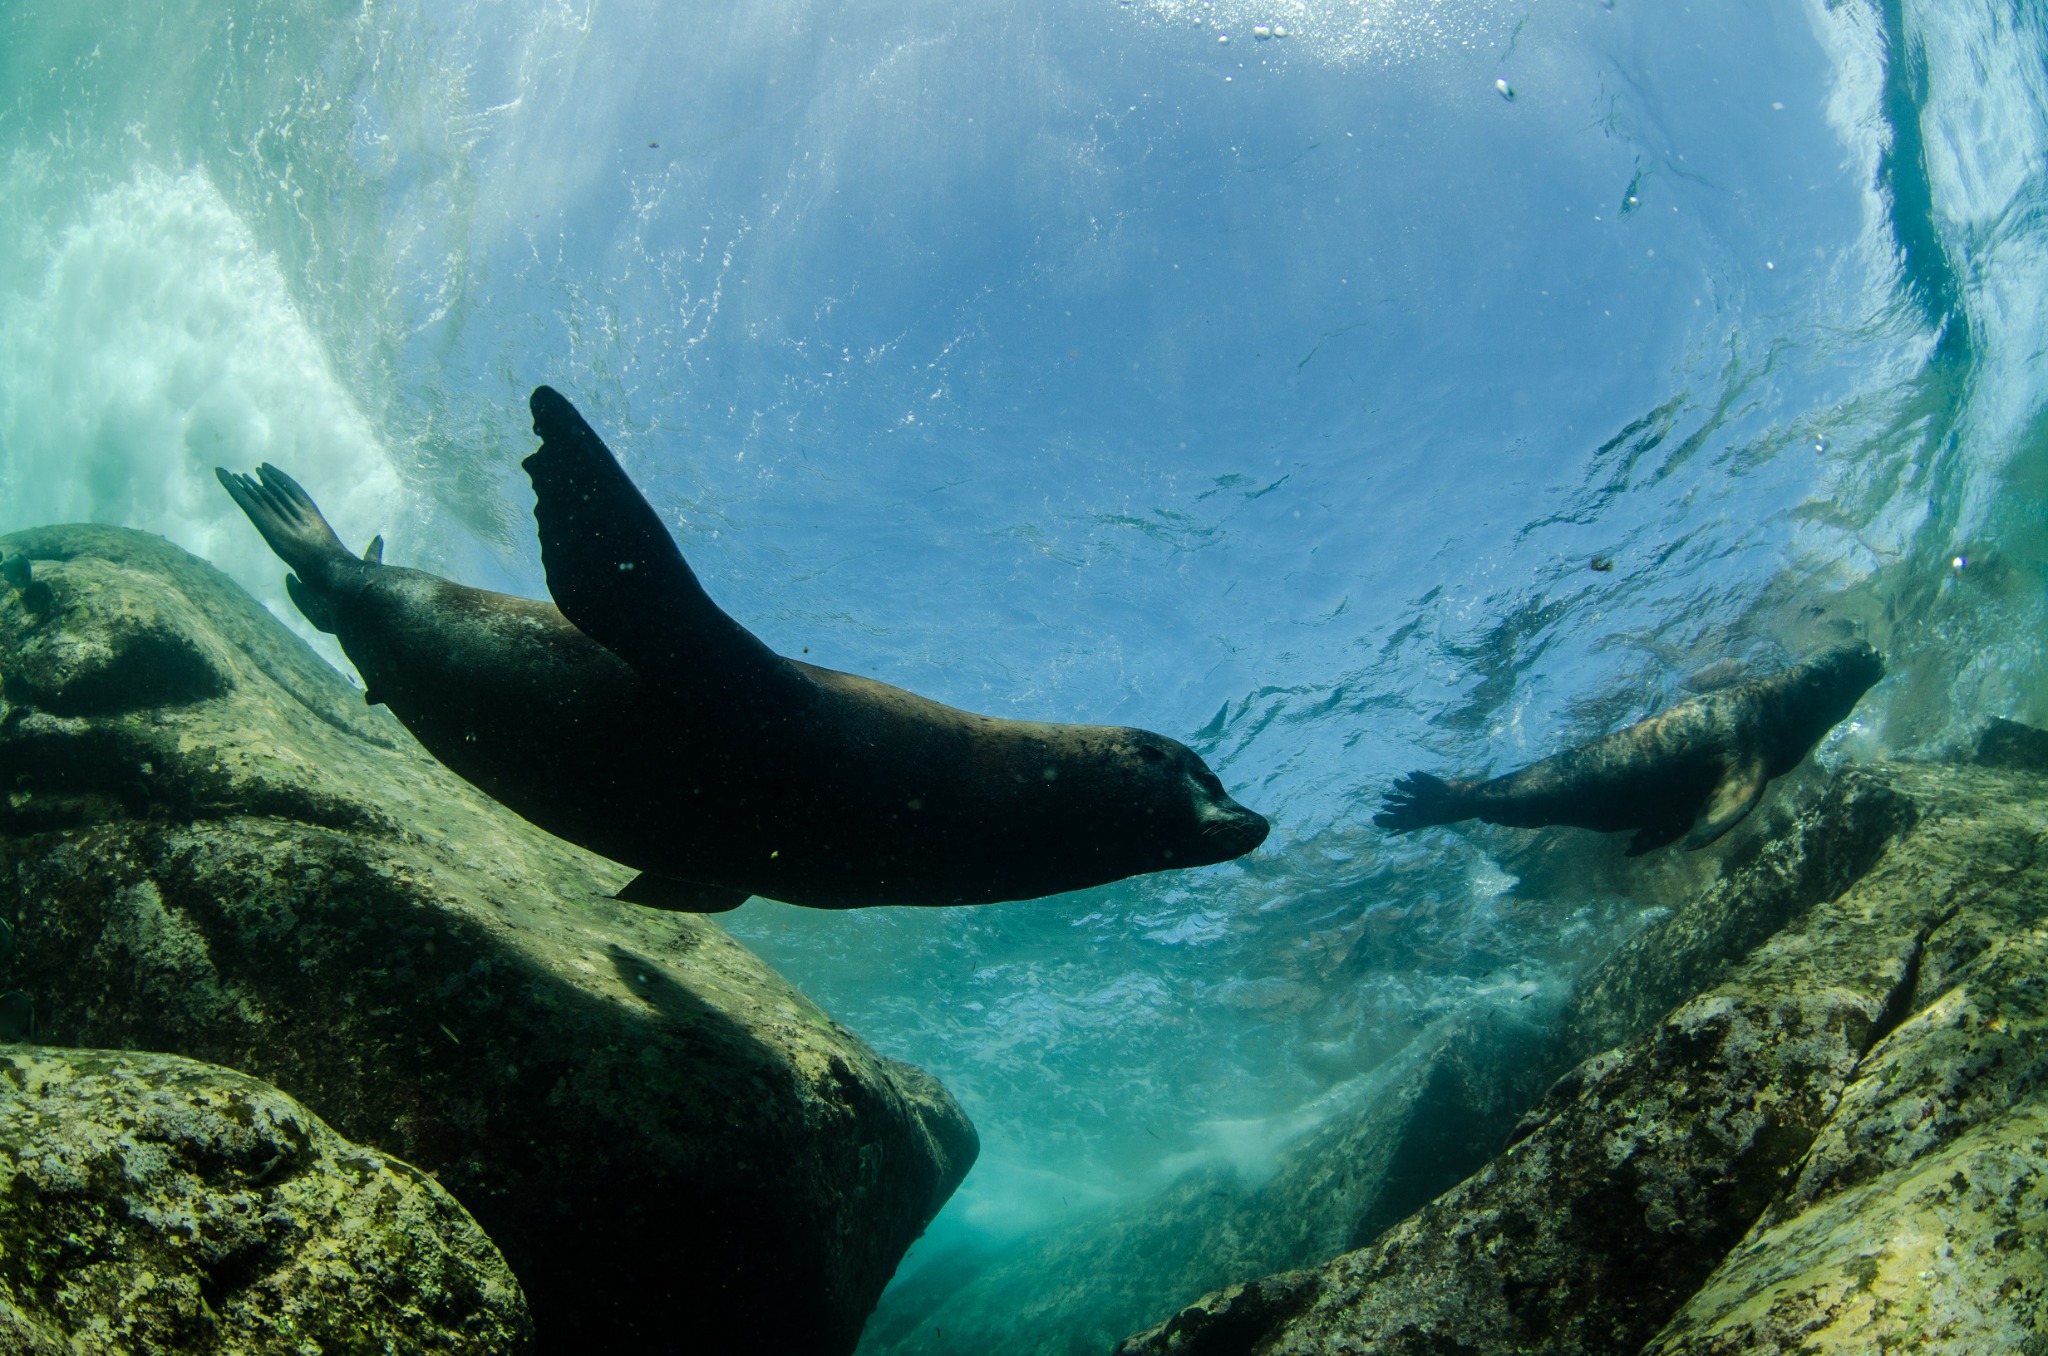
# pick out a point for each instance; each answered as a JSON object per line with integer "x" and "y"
{"x": 1734, "y": 796}
{"x": 288, "y": 519}
{"x": 680, "y": 896}
{"x": 618, "y": 576}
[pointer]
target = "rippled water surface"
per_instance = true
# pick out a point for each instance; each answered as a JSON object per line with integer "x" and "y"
{"x": 1342, "y": 386}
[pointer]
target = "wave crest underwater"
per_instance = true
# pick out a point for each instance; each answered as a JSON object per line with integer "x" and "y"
{"x": 1116, "y": 363}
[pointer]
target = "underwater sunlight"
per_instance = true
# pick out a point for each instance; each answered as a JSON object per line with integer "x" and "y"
{"x": 1344, "y": 390}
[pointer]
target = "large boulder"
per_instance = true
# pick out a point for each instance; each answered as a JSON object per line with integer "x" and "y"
{"x": 153, "y": 1203}
{"x": 1839, "y": 1144}
{"x": 213, "y": 847}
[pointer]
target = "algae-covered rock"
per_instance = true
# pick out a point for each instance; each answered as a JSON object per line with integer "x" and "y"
{"x": 1420, "y": 1124}
{"x": 213, "y": 847}
{"x": 152, "y": 1203}
{"x": 1838, "y": 1146}
{"x": 1919, "y": 1219}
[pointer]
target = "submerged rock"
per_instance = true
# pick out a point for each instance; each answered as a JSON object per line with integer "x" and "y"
{"x": 1369, "y": 1156}
{"x": 1839, "y": 1145}
{"x": 213, "y": 847}
{"x": 152, "y": 1203}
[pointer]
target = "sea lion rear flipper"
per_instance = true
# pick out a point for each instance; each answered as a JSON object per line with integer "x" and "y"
{"x": 288, "y": 519}
{"x": 617, "y": 574}
{"x": 1420, "y": 799}
{"x": 1734, "y": 796}
{"x": 680, "y": 896}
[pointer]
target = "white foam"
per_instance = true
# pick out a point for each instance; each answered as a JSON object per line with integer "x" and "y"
{"x": 161, "y": 343}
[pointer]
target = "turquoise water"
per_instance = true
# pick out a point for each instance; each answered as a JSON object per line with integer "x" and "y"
{"x": 1068, "y": 361}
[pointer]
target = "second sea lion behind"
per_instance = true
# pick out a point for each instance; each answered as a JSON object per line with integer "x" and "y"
{"x": 640, "y": 721}
{"x": 1690, "y": 772}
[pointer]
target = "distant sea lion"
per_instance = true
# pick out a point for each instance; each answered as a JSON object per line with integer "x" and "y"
{"x": 1693, "y": 771}
{"x": 642, "y": 722}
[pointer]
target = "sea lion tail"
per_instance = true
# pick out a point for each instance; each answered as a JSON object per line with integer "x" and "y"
{"x": 1419, "y": 800}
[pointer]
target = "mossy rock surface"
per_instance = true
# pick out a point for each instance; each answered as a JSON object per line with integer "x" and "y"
{"x": 1839, "y": 1143}
{"x": 150, "y": 1203}
{"x": 213, "y": 847}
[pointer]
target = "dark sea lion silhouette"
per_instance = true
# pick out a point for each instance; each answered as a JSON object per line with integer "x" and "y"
{"x": 642, "y": 722}
{"x": 1693, "y": 771}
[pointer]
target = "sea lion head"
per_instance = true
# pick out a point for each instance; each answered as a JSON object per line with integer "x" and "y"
{"x": 1841, "y": 675}
{"x": 1823, "y": 690}
{"x": 1188, "y": 818}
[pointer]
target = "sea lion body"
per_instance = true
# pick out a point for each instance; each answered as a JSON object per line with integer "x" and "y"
{"x": 712, "y": 765}
{"x": 1689, "y": 772}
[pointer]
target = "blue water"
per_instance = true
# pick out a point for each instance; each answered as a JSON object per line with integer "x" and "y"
{"x": 1103, "y": 361}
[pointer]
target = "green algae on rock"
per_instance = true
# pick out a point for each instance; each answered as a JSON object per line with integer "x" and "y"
{"x": 153, "y": 1203}
{"x": 214, "y": 848}
{"x": 1840, "y": 1145}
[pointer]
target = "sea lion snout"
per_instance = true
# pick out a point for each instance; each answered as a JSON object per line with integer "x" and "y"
{"x": 1232, "y": 829}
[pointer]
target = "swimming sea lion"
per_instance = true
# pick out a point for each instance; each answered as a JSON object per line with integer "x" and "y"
{"x": 1693, "y": 771}
{"x": 642, "y": 722}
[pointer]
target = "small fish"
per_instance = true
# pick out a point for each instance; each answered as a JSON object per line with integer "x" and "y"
{"x": 1603, "y": 563}
{"x": 15, "y": 570}
{"x": 1506, "y": 90}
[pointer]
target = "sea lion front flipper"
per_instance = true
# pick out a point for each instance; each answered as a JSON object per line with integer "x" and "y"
{"x": 680, "y": 896}
{"x": 1734, "y": 796}
{"x": 617, "y": 574}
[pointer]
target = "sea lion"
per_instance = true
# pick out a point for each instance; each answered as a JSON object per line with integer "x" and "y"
{"x": 1693, "y": 771}
{"x": 638, "y": 720}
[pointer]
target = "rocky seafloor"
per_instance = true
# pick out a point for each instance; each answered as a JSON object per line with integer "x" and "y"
{"x": 1803, "y": 1111}
{"x": 414, "y": 1081}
